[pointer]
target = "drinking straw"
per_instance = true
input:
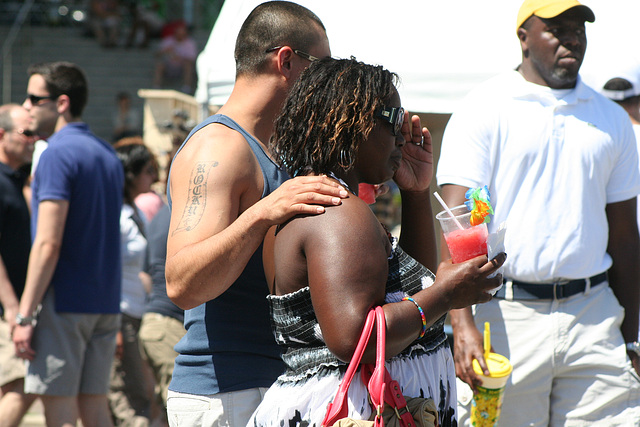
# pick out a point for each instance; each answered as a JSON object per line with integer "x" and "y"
{"x": 446, "y": 208}
{"x": 487, "y": 340}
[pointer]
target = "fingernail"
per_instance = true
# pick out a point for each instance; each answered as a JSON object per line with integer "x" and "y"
{"x": 336, "y": 200}
{"x": 320, "y": 209}
{"x": 343, "y": 193}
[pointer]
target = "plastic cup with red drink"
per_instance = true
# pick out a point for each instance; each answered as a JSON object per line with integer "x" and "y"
{"x": 465, "y": 241}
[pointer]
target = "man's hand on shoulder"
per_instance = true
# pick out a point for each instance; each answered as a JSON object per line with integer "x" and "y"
{"x": 218, "y": 219}
{"x": 301, "y": 195}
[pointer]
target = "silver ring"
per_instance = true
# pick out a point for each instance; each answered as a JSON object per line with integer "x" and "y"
{"x": 422, "y": 141}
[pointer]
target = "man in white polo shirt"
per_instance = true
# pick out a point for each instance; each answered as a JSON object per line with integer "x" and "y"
{"x": 561, "y": 163}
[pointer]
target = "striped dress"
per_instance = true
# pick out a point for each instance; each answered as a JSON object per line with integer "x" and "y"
{"x": 300, "y": 396}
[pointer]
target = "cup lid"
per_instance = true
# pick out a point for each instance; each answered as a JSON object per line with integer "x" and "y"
{"x": 499, "y": 366}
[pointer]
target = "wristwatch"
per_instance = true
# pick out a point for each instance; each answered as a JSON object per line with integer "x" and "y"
{"x": 634, "y": 346}
{"x": 24, "y": 321}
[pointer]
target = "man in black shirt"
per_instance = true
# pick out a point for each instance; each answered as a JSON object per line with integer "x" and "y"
{"x": 16, "y": 150}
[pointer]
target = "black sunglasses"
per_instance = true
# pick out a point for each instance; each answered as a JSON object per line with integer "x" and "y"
{"x": 35, "y": 99}
{"x": 298, "y": 52}
{"x": 26, "y": 132}
{"x": 395, "y": 116}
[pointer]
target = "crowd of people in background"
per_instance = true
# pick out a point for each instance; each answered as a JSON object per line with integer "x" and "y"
{"x": 144, "y": 20}
{"x": 62, "y": 293}
{"x": 239, "y": 303}
{"x": 130, "y": 23}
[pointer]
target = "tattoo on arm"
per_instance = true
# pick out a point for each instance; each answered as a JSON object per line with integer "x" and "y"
{"x": 196, "y": 197}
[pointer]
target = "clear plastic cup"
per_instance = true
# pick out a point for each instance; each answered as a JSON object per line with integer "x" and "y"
{"x": 466, "y": 243}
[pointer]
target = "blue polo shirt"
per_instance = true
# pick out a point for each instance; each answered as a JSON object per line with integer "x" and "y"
{"x": 82, "y": 169}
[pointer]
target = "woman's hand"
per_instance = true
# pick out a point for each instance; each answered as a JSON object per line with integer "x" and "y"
{"x": 467, "y": 283}
{"x": 416, "y": 170}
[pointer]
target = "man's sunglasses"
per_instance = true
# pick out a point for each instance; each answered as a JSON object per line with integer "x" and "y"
{"x": 35, "y": 99}
{"x": 393, "y": 115}
{"x": 298, "y": 52}
{"x": 26, "y": 132}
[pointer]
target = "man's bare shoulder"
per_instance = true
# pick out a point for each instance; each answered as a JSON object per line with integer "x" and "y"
{"x": 214, "y": 146}
{"x": 214, "y": 168}
{"x": 213, "y": 139}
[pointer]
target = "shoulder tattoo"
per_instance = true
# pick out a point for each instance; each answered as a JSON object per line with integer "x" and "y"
{"x": 196, "y": 197}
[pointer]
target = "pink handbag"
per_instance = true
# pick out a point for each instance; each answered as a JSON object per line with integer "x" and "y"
{"x": 381, "y": 387}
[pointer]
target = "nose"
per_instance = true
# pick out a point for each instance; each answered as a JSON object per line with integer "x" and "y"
{"x": 572, "y": 37}
{"x": 26, "y": 104}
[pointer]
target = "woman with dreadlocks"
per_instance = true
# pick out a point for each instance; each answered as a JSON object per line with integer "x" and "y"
{"x": 343, "y": 119}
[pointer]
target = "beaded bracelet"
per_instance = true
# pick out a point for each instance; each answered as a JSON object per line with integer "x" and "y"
{"x": 424, "y": 319}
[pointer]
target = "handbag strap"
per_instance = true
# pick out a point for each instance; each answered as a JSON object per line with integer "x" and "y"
{"x": 382, "y": 388}
{"x": 338, "y": 408}
{"x": 377, "y": 383}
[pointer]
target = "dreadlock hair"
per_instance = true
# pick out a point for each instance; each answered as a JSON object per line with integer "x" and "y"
{"x": 329, "y": 112}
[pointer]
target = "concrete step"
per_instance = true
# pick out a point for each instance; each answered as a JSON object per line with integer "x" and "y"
{"x": 108, "y": 71}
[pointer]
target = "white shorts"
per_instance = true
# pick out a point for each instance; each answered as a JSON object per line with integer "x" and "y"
{"x": 570, "y": 365}
{"x": 231, "y": 409}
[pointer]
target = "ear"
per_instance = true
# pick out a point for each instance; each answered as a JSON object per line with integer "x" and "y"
{"x": 522, "y": 36}
{"x": 284, "y": 57}
{"x": 63, "y": 104}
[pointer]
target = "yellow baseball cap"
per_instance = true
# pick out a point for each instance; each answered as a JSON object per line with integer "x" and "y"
{"x": 551, "y": 9}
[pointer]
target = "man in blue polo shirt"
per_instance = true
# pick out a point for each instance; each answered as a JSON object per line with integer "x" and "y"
{"x": 74, "y": 267}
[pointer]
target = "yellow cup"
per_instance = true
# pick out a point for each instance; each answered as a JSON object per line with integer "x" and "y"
{"x": 487, "y": 402}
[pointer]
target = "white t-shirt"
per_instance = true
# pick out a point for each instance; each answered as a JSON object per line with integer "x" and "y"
{"x": 133, "y": 246}
{"x": 553, "y": 160}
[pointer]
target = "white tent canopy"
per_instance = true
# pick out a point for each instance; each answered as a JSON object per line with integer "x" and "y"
{"x": 440, "y": 49}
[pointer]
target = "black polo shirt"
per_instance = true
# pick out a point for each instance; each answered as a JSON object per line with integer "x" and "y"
{"x": 15, "y": 235}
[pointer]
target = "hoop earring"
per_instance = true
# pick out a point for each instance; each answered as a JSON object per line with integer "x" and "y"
{"x": 345, "y": 159}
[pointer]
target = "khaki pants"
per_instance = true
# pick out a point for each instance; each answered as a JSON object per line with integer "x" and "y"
{"x": 11, "y": 366}
{"x": 570, "y": 366}
{"x": 218, "y": 410}
{"x": 129, "y": 389}
{"x": 158, "y": 335}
